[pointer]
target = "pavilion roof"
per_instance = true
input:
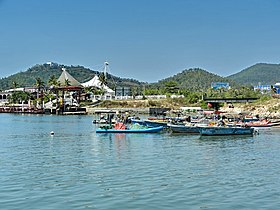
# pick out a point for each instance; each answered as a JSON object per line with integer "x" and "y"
{"x": 65, "y": 76}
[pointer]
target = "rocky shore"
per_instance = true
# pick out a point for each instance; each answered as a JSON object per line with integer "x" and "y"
{"x": 269, "y": 108}
{"x": 263, "y": 108}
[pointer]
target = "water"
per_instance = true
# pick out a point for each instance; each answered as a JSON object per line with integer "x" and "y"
{"x": 79, "y": 169}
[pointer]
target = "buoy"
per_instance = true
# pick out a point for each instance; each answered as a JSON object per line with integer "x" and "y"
{"x": 52, "y": 133}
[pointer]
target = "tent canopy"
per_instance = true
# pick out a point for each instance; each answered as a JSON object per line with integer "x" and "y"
{"x": 95, "y": 82}
{"x": 65, "y": 76}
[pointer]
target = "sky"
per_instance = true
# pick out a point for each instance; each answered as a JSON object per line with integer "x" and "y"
{"x": 146, "y": 40}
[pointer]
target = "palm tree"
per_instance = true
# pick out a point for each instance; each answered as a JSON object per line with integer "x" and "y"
{"x": 40, "y": 86}
{"x": 102, "y": 79}
{"x": 67, "y": 82}
{"x": 133, "y": 92}
{"x": 103, "y": 82}
{"x": 53, "y": 81}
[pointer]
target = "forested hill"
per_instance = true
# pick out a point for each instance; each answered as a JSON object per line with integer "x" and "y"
{"x": 266, "y": 74}
{"x": 194, "y": 79}
{"x": 45, "y": 71}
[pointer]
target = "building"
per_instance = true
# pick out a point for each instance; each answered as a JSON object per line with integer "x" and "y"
{"x": 52, "y": 64}
{"x": 262, "y": 88}
{"x": 276, "y": 88}
{"x": 123, "y": 91}
{"x": 4, "y": 97}
{"x": 219, "y": 85}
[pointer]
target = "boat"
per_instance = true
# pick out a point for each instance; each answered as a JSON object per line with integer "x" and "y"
{"x": 254, "y": 124}
{"x": 104, "y": 117}
{"x": 122, "y": 128}
{"x": 222, "y": 131}
{"x": 183, "y": 128}
{"x": 137, "y": 121}
{"x": 156, "y": 123}
{"x": 259, "y": 124}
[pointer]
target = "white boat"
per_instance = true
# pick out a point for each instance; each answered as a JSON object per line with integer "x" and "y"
{"x": 222, "y": 131}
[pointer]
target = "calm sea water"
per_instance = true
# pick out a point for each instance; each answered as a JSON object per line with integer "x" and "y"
{"x": 79, "y": 169}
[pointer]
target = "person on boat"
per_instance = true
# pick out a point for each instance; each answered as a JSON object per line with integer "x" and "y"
{"x": 111, "y": 116}
{"x": 222, "y": 121}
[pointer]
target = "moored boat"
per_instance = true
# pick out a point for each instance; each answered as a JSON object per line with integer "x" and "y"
{"x": 259, "y": 124}
{"x": 183, "y": 128}
{"x": 156, "y": 123}
{"x": 122, "y": 128}
{"x": 144, "y": 130}
{"x": 221, "y": 131}
{"x": 255, "y": 124}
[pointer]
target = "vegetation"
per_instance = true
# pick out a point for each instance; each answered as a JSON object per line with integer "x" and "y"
{"x": 48, "y": 73}
{"x": 192, "y": 84}
{"x": 19, "y": 97}
{"x": 266, "y": 74}
{"x": 193, "y": 80}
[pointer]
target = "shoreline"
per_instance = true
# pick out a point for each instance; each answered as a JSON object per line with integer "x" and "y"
{"x": 264, "y": 109}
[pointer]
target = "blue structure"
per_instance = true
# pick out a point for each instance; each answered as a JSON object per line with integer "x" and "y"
{"x": 219, "y": 85}
{"x": 277, "y": 88}
{"x": 268, "y": 88}
{"x": 263, "y": 88}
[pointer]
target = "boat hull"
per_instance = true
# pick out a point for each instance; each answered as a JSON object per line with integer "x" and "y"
{"x": 145, "y": 130}
{"x": 153, "y": 123}
{"x": 222, "y": 131}
{"x": 183, "y": 128}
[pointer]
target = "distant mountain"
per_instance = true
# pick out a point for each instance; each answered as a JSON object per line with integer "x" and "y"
{"x": 194, "y": 79}
{"x": 266, "y": 74}
{"x": 45, "y": 71}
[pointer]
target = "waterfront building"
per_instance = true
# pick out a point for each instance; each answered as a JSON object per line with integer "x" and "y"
{"x": 219, "y": 85}
{"x": 262, "y": 88}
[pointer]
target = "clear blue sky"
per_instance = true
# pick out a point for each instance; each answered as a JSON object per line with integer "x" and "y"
{"x": 147, "y": 40}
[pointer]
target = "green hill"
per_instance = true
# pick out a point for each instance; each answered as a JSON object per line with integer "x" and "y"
{"x": 45, "y": 71}
{"x": 266, "y": 74}
{"x": 194, "y": 79}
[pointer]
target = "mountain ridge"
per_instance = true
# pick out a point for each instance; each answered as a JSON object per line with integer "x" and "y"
{"x": 263, "y": 73}
{"x": 192, "y": 79}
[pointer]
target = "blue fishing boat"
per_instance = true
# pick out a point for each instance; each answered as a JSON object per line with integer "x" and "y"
{"x": 222, "y": 131}
{"x": 122, "y": 128}
{"x": 136, "y": 121}
{"x": 142, "y": 130}
{"x": 156, "y": 123}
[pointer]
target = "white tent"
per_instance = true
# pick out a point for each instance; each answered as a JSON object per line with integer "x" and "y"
{"x": 95, "y": 82}
{"x": 66, "y": 76}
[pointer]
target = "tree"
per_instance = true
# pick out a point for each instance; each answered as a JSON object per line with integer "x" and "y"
{"x": 133, "y": 92}
{"x": 102, "y": 79}
{"x": 40, "y": 86}
{"x": 67, "y": 82}
{"x": 14, "y": 85}
{"x": 39, "y": 83}
{"x": 53, "y": 81}
{"x": 171, "y": 87}
{"x": 19, "y": 96}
